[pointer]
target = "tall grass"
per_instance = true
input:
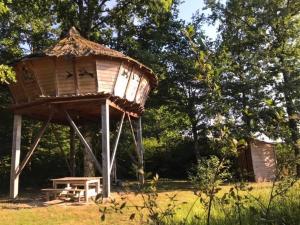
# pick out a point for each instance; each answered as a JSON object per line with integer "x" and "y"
{"x": 284, "y": 210}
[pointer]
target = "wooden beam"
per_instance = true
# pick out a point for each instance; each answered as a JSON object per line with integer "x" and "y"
{"x": 83, "y": 141}
{"x": 34, "y": 144}
{"x": 15, "y": 158}
{"x": 100, "y": 98}
{"x": 105, "y": 149}
{"x": 140, "y": 150}
{"x": 116, "y": 143}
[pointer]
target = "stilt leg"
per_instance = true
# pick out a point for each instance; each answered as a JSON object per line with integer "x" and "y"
{"x": 105, "y": 149}
{"x": 140, "y": 149}
{"x": 15, "y": 158}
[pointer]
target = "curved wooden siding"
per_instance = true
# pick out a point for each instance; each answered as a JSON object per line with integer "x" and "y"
{"x": 44, "y": 72}
{"x": 51, "y": 77}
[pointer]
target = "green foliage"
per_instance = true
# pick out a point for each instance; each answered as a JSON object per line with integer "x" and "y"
{"x": 207, "y": 177}
{"x": 3, "y": 8}
{"x": 7, "y": 75}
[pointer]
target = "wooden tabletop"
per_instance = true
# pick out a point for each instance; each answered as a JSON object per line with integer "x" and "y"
{"x": 76, "y": 178}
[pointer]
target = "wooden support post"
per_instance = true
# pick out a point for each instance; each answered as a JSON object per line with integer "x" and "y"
{"x": 72, "y": 152}
{"x": 105, "y": 149}
{"x": 140, "y": 149}
{"x": 15, "y": 158}
{"x": 83, "y": 141}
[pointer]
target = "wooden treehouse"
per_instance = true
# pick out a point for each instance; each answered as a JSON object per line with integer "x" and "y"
{"x": 75, "y": 81}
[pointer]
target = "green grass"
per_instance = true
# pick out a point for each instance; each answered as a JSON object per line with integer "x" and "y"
{"x": 32, "y": 212}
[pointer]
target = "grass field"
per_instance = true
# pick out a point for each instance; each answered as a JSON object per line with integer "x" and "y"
{"x": 30, "y": 210}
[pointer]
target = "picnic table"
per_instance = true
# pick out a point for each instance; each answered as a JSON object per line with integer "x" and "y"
{"x": 75, "y": 187}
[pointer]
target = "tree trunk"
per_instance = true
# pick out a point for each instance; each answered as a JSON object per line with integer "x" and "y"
{"x": 72, "y": 152}
{"x": 291, "y": 111}
{"x": 88, "y": 164}
{"x": 196, "y": 141}
{"x": 292, "y": 123}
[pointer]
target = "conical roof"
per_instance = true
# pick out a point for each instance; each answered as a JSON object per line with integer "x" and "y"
{"x": 75, "y": 45}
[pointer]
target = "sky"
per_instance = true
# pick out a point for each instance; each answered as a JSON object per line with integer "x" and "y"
{"x": 189, "y": 7}
{"x": 186, "y": 10}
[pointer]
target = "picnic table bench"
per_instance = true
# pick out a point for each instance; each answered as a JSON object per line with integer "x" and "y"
{"x": 71, "y": 192}
{"x": 74, "y": 187}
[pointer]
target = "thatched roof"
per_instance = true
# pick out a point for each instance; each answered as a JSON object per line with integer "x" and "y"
{"x": 75, "y": 45}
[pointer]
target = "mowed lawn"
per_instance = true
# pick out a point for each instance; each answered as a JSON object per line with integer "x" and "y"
{"x": 30, "y": 210}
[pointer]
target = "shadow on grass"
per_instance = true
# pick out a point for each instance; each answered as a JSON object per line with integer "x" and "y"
{"x": 32, "y": 198}
{"x": 28, "y": 199}
{"x": 164, "y": 185}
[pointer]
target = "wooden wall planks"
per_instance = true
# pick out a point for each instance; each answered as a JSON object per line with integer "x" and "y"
{"x": 65, "y": 77}
{"x": 263, "y": 160}
{"x": 107, "y": 72}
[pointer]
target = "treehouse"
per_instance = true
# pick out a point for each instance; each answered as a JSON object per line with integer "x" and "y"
{"x": 76, "y": 81}
{"x": 81, "y": 74}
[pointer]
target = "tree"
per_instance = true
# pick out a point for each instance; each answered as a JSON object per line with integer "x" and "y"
{"x": 283, "y": 22}
{"x": 258, "y": 55}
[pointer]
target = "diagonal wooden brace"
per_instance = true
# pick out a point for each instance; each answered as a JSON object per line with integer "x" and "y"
{"x": 138, "y": 149}
{"x": 116, "y": 143}
{"x": 34, "y": 144}
{"x": 134, "y": 139}
{"x": 84, "y": 142}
